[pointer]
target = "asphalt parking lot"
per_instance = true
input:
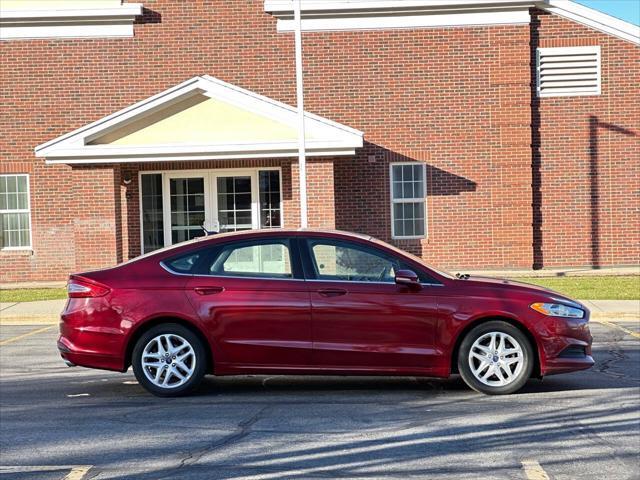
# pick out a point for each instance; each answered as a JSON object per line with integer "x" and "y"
{"x": 75, "y": 424}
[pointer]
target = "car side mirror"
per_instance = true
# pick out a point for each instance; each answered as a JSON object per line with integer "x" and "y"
{"x": 408, "y": 278}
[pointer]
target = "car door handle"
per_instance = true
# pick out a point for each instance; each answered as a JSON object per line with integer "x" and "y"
{"x": 208, "y": 290}
{"x": 332, "y": 292}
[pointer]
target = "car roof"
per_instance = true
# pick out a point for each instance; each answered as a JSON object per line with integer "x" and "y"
{"x": 286, "y": 231}
{"x": 255, "y": 233}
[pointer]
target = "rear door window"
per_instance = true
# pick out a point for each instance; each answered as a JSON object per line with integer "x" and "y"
{"x": 266, "y": 259}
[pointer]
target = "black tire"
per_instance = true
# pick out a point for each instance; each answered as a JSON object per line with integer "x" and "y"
{"x": 518, "y": 380}
{"x": 198, "y": 370}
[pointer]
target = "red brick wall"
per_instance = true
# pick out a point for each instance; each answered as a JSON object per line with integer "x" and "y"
{"x": 458, "y": 99}
{"x": 587, "y": 151}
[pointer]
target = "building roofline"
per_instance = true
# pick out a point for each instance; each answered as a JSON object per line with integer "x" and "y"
{"x": 85, "y": 22}
{"x": 593, "y": 18}
{"x": 350, "y": 14}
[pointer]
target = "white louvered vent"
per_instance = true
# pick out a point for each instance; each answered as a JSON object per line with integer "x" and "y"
{"x": 568, "y": 71}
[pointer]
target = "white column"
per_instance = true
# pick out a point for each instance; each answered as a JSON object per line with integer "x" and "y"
{"x": 302, "y": 159}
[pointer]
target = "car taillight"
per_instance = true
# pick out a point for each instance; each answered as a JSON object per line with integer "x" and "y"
{"x": 79, "y": 289}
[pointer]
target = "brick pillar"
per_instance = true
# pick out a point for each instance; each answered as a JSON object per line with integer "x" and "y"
{"x": 511, "y": 197}
{"x": 97, "y": 222}
{"x": 320, "y": 195}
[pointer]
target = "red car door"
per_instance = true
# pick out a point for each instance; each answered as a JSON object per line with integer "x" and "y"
{"x": 255, "y": 306}
{"x": 362, "y": 320}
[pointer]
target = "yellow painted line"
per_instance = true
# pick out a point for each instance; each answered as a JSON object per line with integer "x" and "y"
{"x": 77, "y": 473}
{"x": 619, "y": 327}
{"x": 25, "y": 335}
{"x": 534, "y": 471}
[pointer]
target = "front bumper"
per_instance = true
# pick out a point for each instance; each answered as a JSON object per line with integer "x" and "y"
{"x": 566, "y": 345}
{"x": 563, "y": 365}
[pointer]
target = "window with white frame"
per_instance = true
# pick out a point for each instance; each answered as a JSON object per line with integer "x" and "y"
{"x": 14, "y": 212}
{"x": 568, "y": 71}
{"x": 408, "y": 191}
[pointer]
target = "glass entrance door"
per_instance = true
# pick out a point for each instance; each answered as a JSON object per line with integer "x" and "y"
{"x": 188, "y": 208}
{"x": 175, "y": 205}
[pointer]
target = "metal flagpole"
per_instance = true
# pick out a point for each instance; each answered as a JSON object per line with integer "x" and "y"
{"x": 302, "y": 159}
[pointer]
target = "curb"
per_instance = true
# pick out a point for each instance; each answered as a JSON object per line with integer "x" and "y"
{"x": 7, "y": 321}
{"x": 626, "y": 317}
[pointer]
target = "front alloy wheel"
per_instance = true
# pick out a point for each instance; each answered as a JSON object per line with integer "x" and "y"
{"x": 169, "y": 360}
{"x": 495, "y": 358}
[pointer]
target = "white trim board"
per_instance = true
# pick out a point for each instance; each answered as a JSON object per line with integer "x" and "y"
{"x": 326, "y": 15}
{"x": 385, "y": 14}
{"x": 69, "y": 22}
{"x": 328, "y": 137}
{"x": 409, "y": 21}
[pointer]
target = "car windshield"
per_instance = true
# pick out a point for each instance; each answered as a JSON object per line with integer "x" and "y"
{"x": 413, "y": 257}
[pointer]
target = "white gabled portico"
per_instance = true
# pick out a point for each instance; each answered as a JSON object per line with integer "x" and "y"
{"x": 201, "y": 119}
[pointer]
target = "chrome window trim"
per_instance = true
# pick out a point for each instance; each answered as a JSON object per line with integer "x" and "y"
{"x": 200, "y": 275}
{"x": 370, "y": 283}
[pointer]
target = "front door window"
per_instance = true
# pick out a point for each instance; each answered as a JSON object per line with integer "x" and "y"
{"x": 341, "y": 261}
{"x": 175, "y": 206}
{"x": 234, "y": 203}
{"x": 187, "y": 208}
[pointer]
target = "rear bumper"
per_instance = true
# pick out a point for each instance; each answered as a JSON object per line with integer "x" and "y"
{"x": 92, "y": 334}
{"x": 70, "y": 353}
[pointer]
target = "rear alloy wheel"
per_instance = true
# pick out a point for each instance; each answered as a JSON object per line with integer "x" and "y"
{"x": 495, "y": 358}
{"x": 169, "y": 360}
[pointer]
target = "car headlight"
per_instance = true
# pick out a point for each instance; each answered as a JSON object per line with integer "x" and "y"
{"x": 558, "y": 310}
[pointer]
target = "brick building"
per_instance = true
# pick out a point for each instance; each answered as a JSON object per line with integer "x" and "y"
{"x": 474, "y": 133}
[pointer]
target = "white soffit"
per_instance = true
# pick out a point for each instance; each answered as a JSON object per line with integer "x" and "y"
{"x": 389, "y": 14}
{"x": 66, "y": 19}
{"x": 87, "y": 145}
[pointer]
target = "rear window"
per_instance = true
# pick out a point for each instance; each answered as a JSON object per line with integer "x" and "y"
{"x": 184, "y": 263}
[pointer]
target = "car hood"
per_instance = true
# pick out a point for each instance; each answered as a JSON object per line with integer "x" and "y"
{"x": 522, "y": 286}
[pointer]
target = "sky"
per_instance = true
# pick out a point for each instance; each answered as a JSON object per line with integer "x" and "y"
{"x": 628, "y": 10}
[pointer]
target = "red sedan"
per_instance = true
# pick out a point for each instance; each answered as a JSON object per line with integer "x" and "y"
{"x": 314, "y": 302}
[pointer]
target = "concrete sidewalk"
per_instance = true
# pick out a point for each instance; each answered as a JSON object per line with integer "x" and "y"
{"x": 48, "y": 311}
{"x": 31, "y": 313}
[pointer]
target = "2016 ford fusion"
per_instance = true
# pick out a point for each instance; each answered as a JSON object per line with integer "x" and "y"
{"x": 314, "y": 302}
